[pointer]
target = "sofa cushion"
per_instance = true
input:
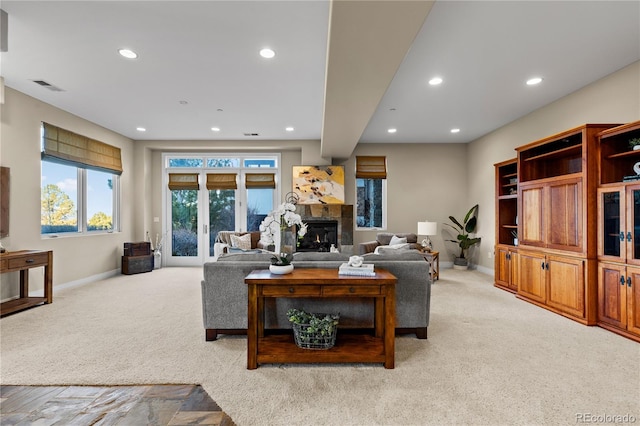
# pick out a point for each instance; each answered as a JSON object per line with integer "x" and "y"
{"x": 394, "y": 255}
{"x": 395, "y": 240}
{"x": 242, "y": 242}
{"x": 384, "y": 238}
{"x": 314, "y": 255}
{"x": 247, "y": 257}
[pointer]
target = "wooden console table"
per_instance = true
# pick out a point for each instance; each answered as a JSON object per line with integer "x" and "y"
{"x": 23, "y": 261}
{"x": 312, "y": 282}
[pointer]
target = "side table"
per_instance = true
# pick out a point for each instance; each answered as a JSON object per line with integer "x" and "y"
{"x": 433, "y": 257}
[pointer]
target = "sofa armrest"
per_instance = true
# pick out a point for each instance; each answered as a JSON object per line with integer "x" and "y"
{"x": 367, "y": 247}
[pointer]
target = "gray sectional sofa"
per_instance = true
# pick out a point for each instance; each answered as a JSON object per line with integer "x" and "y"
{"x": 224, "y": 293}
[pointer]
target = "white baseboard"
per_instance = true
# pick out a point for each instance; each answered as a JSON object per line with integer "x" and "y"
{"x": 78, "y": 283}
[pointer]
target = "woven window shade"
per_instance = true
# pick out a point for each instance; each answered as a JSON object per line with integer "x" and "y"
{"x": 370, "y": 167}
{"x": 183, "y": 181}
{"x": 221, "y": 181}
{"x": 66, "y": 147}
{"x": 260, "y": 180}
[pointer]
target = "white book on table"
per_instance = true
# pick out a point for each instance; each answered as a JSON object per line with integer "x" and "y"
{"x": 365, "y": 270}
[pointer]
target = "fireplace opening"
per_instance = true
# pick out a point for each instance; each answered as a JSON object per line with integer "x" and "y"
{"x": 319, "y": 237}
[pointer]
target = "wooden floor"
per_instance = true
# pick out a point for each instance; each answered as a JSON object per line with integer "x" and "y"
{"x": 110, "y": 405}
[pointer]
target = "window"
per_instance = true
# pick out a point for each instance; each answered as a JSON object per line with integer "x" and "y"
{"x": 79, "y": 191}
{"x": 371, "y": 192}
{"x": 77, "y": 200}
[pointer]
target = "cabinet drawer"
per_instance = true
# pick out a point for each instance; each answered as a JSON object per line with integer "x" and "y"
{"x": 347, "y": 290}
{"x": 289, "y": 290}
{"x": 28, "y": 261}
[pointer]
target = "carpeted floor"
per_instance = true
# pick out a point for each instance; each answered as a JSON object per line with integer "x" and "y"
{"x": 490, "y": 359}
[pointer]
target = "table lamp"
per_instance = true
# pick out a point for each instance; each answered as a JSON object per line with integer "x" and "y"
{"x": 427, "y": 228}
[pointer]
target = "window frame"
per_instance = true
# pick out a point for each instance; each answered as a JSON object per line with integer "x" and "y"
{"x": 82, "y": 199}
{"x": 383, "y": 227}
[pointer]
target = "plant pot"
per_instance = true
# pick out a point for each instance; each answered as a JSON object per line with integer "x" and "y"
{"x": 515, "y": 241}
{"x": 460, "y": 263}
{"x": 281, "y": 269}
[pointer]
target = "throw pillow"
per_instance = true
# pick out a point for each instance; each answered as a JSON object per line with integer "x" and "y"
{"x": 397, "y": 240}
{"x": 243, "y": 242}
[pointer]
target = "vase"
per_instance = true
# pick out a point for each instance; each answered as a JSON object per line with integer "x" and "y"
{"x": 287, "y": 241}
{"x": 281, "y": 269}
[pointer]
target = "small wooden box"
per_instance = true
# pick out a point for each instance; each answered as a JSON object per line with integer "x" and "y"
{"x": 142, "y": 248}
{"x": 137, "y": 264}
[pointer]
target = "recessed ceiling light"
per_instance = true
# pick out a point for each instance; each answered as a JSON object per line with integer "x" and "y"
{"x": 435, "y": 81}
{"x": 392, "y": 130}
{"x": 128, "y": 53}
{"x": 533, "y": 81}
{"x": 267, "y": 53}
{"x": 141, "y": 129}
{"x": 289, "y": 129}
{"x": 455, "y": 130}
{"x": 215, "y": 129}
{"x": 183, "y": 102}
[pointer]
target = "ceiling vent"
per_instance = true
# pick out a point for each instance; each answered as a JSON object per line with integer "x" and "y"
{"x": 48, "y": 86}
{"x": 252, "y": 134}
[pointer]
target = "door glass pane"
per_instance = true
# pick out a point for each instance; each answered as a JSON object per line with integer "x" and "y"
{"x": 59, "y": 198}
{"x": 184, "y": 222}
{"x": 99, "y": 201}
{"x": 259, "y": 204}
{"x": 636, "y": 224}
{"x": 611, "y": 223}
{"x": 222, "y": 213}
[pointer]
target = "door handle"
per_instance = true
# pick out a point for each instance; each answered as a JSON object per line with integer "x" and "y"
{"x": 629, "y": 281}
{"x": 622, "y": 280}
{"x": 204, "y": 229}
{"x": 546, "y": 266}
{"x": 621, "y": 235}
{"x": 629, "y": 237}
{"x": 542, "y": 264}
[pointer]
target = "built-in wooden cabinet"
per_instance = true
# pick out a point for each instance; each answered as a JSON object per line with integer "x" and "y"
{"x": 506, "y": 178}
{"x": 506, "y": 267}
{"x": 618, "y": 202}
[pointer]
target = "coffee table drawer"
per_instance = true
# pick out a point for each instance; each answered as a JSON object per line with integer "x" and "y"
{"x": 286, "y": 290}
{"x": 29, "y": 261}
{"x": 356, "y": 290}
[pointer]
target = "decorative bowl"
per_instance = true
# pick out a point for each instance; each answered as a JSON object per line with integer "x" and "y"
{"x": 281, "y": 269}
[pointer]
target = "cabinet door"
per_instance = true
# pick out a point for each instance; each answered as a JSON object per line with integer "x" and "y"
{"x": 564, "y": 221}
{"x": 612, "y": 295}
{"x": 565, "y": 290}
{"x": 632, "y": 234}
{"x": 531, "y": 276}
{"x": 633, "y": 300}
{"x": 611, "y": 224}
{"x": 531, "y": 231}
{"x": 515, "y": 273}
{"x": 502, "y": 266}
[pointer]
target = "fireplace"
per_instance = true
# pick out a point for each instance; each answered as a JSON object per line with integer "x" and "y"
{"x": 320, "y": 235}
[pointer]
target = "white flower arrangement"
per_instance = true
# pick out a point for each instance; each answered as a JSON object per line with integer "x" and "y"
{"x": 283, "y": 217}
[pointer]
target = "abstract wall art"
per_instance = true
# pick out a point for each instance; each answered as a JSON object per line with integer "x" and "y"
{"x": 319, "y": 184}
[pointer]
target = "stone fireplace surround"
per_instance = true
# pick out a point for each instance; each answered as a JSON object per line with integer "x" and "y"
{"x": 342, "y": 213}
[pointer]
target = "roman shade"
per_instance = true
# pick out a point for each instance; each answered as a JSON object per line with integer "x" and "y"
{"x": 371, "y": 167}
{"x": 183, "y": 181}
{"x": 221, "y": 181}
{"x": 63, "y": 146}
{"x": 260, "y": 180}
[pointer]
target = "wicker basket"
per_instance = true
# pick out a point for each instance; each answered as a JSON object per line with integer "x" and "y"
{"x": 312, "y": 339}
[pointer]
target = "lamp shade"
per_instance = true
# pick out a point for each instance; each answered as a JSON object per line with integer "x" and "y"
{"x": 427, "y": 228}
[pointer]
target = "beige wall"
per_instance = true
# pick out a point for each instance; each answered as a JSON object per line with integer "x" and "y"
{"x": 75, "y": 258}
{"x": 613, "y": 99}
{"x": 426, "y": 181}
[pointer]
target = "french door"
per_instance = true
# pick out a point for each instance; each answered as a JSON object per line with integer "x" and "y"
{"x": 200, "y": 203}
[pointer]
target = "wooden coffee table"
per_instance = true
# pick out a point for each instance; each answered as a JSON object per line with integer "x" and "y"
{"x": 312, "y": 282}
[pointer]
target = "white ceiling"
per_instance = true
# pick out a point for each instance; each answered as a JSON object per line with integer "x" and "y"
{"x": 206, "y": 53}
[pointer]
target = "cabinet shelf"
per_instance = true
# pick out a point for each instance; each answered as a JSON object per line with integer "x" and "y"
{"x": 562, "y": 152}
{"x": 507, "y": 197}
{"x": 635, "y": 153}
{"x": 510, "y": 226}
{"x": 510, "y": 175}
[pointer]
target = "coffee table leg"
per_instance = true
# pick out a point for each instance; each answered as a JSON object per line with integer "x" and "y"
{"x": 252, "y": 330}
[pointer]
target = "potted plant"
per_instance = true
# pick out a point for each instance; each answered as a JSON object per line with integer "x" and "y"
{"x": 281, "y": 264}
{"x": 464, "y": 241}
{"x": 634, "y": 143}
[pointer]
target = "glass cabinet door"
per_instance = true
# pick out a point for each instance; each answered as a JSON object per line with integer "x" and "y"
{"x": 632, "y": 233}
{"x": 611, "y": 223}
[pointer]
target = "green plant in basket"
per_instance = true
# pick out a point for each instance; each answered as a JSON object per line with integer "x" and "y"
{"x": 315, "y": 328}
{"x": 633, "y": 142}
{"x": 281, "y": 259}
